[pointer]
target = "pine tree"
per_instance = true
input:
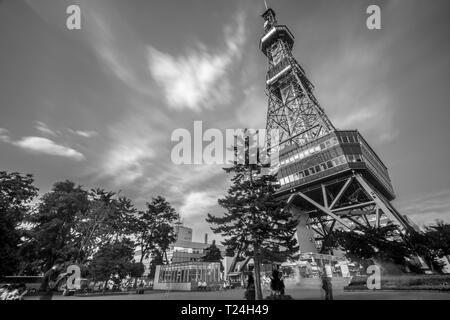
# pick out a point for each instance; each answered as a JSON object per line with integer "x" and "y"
{"x": 255, "y": 223}
{"x": 213, "y": 254}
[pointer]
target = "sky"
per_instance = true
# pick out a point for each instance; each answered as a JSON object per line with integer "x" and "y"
{"x": 98, "y": 105}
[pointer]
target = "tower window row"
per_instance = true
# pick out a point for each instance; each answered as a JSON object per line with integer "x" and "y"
{"x": 310, "y": 151}
{"x": 313, "y": 170}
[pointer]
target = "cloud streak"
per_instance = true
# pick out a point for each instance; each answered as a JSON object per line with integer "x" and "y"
{"x": 43, "y": 128}
{"x": 42, "y": 145}
{"x": 428, "y": 207}
{"x": 47, "y": 146}
{"x": 198, "y": 79}
{"x": 84, "y": 134}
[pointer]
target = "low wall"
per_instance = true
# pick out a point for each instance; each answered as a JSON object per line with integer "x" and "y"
{"x": 404, "y": 282}
{"x": 315, "y": 283}
{"x": 173, "y": 286}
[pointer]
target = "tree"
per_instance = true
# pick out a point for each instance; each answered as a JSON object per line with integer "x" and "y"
{"x": 213, "y": 254}
{"x": 157, "y": 259}
{"x": 134, "y": 269}
{"x": 422, "y": 246}
{"x": 432, "y": 244}
{"x": 156, "y": 231}
{"x": 367, "y": 245}
{"x": 439, "y": 234}
{"x": 109, "y": 218}
{"x": 54, "y": 223}
{"x": 16, "y": 193}
{"x": 255, "y": 223}
{"x": 112, "y": 257}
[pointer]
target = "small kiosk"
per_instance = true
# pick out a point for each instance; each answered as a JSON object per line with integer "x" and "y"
{"x": 185, "y": 276}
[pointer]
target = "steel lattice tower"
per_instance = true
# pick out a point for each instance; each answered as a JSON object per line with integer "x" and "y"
{"x": 330, "y": 178}
{"x": 293, "y": 108}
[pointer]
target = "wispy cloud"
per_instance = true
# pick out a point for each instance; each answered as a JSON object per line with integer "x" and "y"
{"x": 134, "y": 140}
{"x": 41, "y": 144}
{"x": 198, "y": 203}
{"x": 47, "y": 146}
{"x": 116, "y": 45}
{"x": 4, "y": 135}
{"x": 84, "y": 134}
{"x": 428, "y": 208}
{"x": 198, "y": 79}
{"x": 43, "y": 128}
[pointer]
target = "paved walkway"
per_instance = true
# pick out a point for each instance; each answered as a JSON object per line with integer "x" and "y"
{"x": 296, "y": 293}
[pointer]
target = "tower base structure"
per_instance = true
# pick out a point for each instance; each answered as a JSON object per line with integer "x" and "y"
{"x": 336, "y": 182}
{"x": 344, "y": 203}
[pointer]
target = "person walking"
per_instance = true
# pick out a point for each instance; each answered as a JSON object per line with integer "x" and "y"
{"x": 51, "y": 280}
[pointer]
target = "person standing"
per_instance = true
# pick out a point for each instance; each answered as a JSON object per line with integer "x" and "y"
{"x": 281, "y": 284}
{"x": 275, "y": 282}
{"x": 51, "y": 280}
{"x": 327, "y": 285}
{"x": 250, "y": 293}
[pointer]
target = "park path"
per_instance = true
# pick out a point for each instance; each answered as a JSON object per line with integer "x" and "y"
{"x": 297, "y": 293}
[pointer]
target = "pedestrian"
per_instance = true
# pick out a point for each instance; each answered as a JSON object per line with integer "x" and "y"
{"x": 281, "y": 284}
{"x": 327, "y": 286}
{"x": 275, "y": 283}
{"x": 250, "y": 292}
{"x": 51, "y": 280}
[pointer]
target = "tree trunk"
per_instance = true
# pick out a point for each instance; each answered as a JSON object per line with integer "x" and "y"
{"x": 257, "y": 279}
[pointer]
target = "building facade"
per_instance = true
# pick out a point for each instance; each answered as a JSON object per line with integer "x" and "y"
{"x": 183, "y": 250}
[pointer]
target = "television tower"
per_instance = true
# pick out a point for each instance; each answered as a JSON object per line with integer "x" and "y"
{"x": 329, "y": 178}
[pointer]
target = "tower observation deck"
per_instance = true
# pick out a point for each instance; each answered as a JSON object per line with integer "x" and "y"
{"x": 329, "y": 178}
